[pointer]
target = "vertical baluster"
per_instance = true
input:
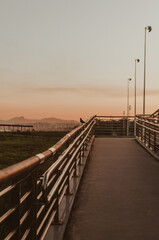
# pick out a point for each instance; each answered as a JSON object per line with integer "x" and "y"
{"x": 34, "y": 202}
{"x": 149, "y": 139}
{"x": 154, "y": 141}
{"x": 57, "y": 217}
{"x": 75, "y": 167}
{"x": 80, "y": 156}
{"x": 18, "y": 209}
{"x": 68, "y": 191}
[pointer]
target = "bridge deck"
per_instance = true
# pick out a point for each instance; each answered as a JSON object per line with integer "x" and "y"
{"x": 119, "y": 194}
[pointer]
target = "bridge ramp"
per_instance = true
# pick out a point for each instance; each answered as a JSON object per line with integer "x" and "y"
{"x": 119, "y": 194}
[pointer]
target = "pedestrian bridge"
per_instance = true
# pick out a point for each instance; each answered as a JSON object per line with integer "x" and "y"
{"x": 118, "y": 195}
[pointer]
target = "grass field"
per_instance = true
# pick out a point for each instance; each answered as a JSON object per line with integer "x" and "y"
{"x": 20, "y": 146}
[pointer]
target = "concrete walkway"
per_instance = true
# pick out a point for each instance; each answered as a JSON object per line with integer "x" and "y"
{"x": 119, "y": 194}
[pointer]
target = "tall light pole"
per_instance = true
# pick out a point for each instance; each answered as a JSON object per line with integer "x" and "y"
{"x": 129, "y": 79}
{"x": 136, "y": 60}
{"x": 149, "y": 28}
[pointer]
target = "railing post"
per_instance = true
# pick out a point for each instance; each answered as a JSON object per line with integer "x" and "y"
{"x": 80, "y": 156}
{"x": 15, "y": 218}
{"x": 154, "y": 141}
{"x": 86, "y": 144}
{"x": 145, "y": 131}
{"x": 77, "y": 174}
{"x": 57, "y": 218}
{"x": 149, "y": 142}
{"x": 19, "y": 210}
{"x": 68, "y": 192}
{"x": 34, "y": 199}
{"x": 135, "y": 126}
{"x": 75, "y": 167}
{"x": 83, "y": 150}
{"x": 127, "y": 126}
{"x": 142, "y": 132}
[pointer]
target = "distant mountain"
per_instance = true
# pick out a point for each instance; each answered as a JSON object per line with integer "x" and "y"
{"x": 23, "y": 120}
{"x": 45, "y": 124}
{"x": 56, "y": 120}
{"x": 20, "y": 120}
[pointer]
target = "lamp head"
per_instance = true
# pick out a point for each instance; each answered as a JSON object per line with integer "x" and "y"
{"x": 149, "y": 28}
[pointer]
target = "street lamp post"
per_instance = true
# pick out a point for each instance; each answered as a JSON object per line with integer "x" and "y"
{"x": 149, "y": 28}
{"x": 136, "y": 60}
{"x": 129, "y": 79}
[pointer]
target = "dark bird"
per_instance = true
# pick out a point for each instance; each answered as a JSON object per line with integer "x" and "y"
{"x": 81, "y": 120}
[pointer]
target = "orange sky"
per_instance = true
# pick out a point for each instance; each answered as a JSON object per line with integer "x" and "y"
{"x": 72, "y": 59}
{"x": 73, "y": 103}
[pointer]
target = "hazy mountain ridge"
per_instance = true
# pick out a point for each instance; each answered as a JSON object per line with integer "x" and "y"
{"x": 44, "y": 124}
{"x": 23, "y": 120}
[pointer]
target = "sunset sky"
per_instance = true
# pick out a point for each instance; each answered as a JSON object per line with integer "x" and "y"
{"x": 71, "y": 58}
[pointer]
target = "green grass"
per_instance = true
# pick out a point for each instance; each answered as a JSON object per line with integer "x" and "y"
{"x": 20, "y": 146}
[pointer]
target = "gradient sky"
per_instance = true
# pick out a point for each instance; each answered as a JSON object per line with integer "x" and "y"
{"x": 71, "y": 59}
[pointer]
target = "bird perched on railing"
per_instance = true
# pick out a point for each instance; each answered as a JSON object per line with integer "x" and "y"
{"x": 81, "y": 120}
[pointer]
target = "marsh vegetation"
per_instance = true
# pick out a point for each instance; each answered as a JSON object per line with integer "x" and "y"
{"x": 16, "y": 147}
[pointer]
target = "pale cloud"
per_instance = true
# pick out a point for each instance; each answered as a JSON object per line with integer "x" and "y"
{"x": 109, "y": 91}
{"x": 117, "y": 92}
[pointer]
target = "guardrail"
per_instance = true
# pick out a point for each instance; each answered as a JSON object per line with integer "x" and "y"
{"x": 155, "y": 114}
{"x": 31, "y": 191}
{"x": 147, "y": 132}
{"x": 114, "y": 126}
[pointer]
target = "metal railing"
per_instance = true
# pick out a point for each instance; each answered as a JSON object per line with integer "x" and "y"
{"x": 155, "y": 114}
{"x": 114, "y": 126}
{"x": 147, "y": 132}
{"x": 31, "y": 191}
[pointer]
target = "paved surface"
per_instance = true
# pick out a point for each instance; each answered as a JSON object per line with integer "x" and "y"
{"x": 118, "y": 198}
